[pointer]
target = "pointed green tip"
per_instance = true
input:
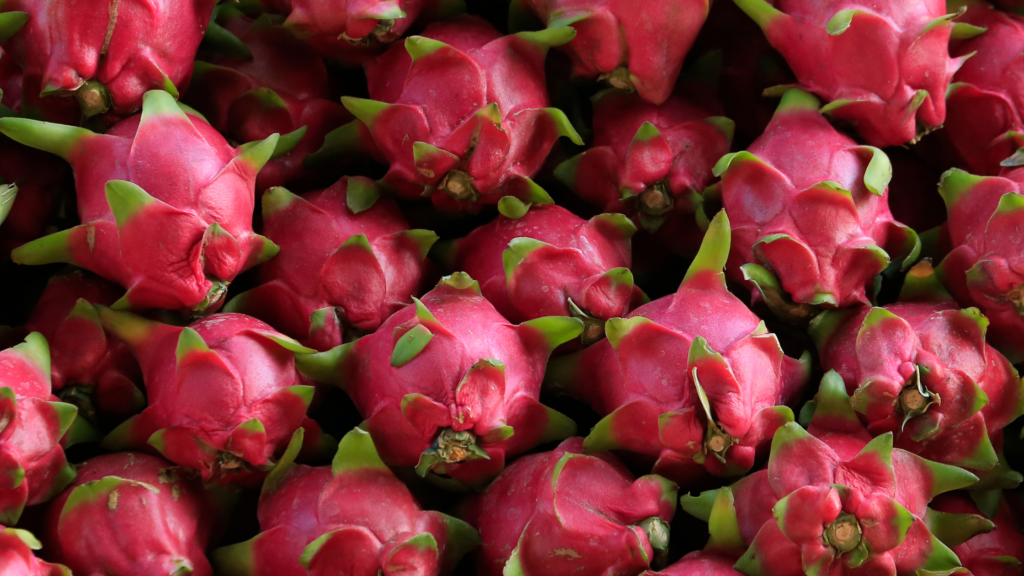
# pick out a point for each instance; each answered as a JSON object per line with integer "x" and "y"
{"x": 356, "y": 451}
{"x": 549, "y": 37}
{"x": 797, "y": 99}
{"x": 157, "y": 103}
{"x": 276, "y": 199}
{"x": 759, "y": 11}
{"x": 53, "y": 138}
{"x": 126, "y": 199}
{"x": 714, "y": 249}
{"x": 566, "y": 171}
{"x": 512, "y": 208}
{"x": 955, "y": 183}
{"x": 364, "y": 109}
{"x": 36, "y": 351}
{"x": 189, "y": 341}
{"x": 420, "y": 46}
{"x": 11, "y": 23}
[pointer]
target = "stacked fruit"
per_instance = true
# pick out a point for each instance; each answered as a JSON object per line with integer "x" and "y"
{"x": 517, "y": 287}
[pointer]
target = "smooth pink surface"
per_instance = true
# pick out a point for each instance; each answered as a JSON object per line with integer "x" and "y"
{"x": 880, "y": 62}
{"x": 649, "y": 39}
{"x": 583, "y": 524}
{"x": 161, "y": 514}
{"x": 137, "y": 48}
{"x": 581, "y": 251}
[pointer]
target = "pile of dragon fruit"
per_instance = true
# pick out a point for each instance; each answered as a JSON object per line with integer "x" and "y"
{"x": 511, "y": 287}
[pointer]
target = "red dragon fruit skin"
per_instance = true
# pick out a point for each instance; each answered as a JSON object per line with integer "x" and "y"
{"x": 565, "y": 512}
{"x": 17, "y": 559}
{"x": 133, "y": 514}
{"x": 998, "y": 552}
{"x": 33, "y": 468}
{"x": 328, "y": 521}
{"x": 266, "y": 81}
{"x": 700, "y": 564}
{"x": 986, "y": 266}
{"x": 348, "y": 259}
{"x": 87, "y": 364}
{"x": 109, "y": 60}
{"x": 921, "y": 370}
{"x": 833, "y": 500}
{"x": 640, "y": 48}
{"x": 650, "y": 162}
{"x": 353, "y": 31}
{"x": 224, "y": 395}
{"x": 550, "y": 262}
{"x": 985, "y": 106}
{"x": 883, "y": 67}
{"x": 449, "y": 386}
{"x": 708, "y": 402}
{"x": 460, "y": 114}
{"x": 166, "y": 205}
{"x": 810, "y": 216}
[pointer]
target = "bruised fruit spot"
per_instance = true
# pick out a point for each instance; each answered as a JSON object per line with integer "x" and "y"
{"x": 593, "y": 330}
{"x": 454, "y": 447}
{"x": 568, "y": 553}
{"x": 112, "y": 500}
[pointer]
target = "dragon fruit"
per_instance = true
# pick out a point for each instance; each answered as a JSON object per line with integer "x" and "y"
{"x": 833, "y": 500}
{"x": 549, "y": 262}
{"x": 32, "y": 464}
{"x": 713, "y": 413}
{"x": 449, "y": 386}
{"x": 224, "y": 395}
{"x": 985, "y": 106}
{"x": 883, "y": 67}
{"x": 921, "y": 370}
{"x": 352, "y": 31}
{"x": 460, "y": 113}
{"x": 650, "y": 162}
{"x": 30, "y": 195}
{"x": 349, "y": 260}
{"x": 811, "y": 221}
{"x": 166, "y": 205}
{"x": 94, "y": 371}
{"x": 21, "y": 94}
{"x": 329, "y": 521}
{"x": 564, "y": 512}
{"x": 700, "y": 564}
{"x": 261, "y": 80}
{"x": 986, "y": 265}
{"x": 17, "y": 559}
{"x": 634, "y": 47}
{"x": 106, "y": 54}
{"x": 998, "y": 552}
{"x": 132, "y": 513}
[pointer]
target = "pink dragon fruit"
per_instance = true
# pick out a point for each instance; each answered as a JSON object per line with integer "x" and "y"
{"x": 449, "y": 386}
{"x": 261, "y": 80}
{"x": 921, "y": 370}
{"x": 17, "y": 559}
{"x": 998, "y": 552}
{"x": 833, "y": 500}
{"x": 811, "y": 221}
{"x": 985, "y": 106}
{"x": 132, "y": 513}
{"x": 224, "y": 395}
{"x": 329, "y": 521}
{"x": 460, "y": 114}
{"x": 564, "y": 512}
{"x": 352, "y": 31}
{"x": 986, "y": 266}
{"x": 166, "y": 205}
{"x": 711, "y": 414}
{"x": 106, "y": 54}
{"x": 700, "y": 564}
{"x": 550, "y": 262}
{"x": 32, "y": 464}
{"x": 94, "y": 371}
{"x": 883, "y": 67}
{"x": 637, "y": 47}
{"x": 349, "y": 260}
{"x": 650, "y": 162}
{"x": 30, "y": 196}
